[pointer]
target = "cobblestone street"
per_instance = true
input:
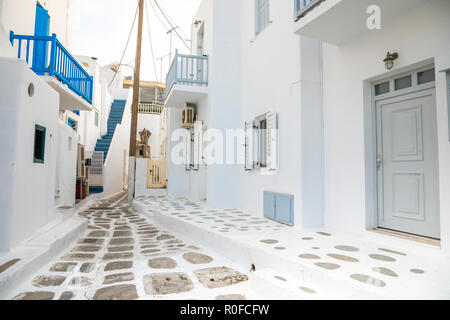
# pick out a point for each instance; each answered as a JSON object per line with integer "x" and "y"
{"x": 124, "y": 256}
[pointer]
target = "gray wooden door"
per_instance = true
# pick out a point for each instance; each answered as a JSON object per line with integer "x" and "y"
{"x": 408, "y": 177}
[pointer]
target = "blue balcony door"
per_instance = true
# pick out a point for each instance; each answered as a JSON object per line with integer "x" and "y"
{"x": 41, "y": 28}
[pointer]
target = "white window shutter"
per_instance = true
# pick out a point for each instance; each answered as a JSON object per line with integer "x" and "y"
{"x": 198, "y": 144}
{"x": 187, "y": 150}
{"x": 249, "y": 162}
{"x": 272, "y": 141}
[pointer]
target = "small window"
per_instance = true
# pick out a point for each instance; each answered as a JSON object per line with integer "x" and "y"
{"x": 77, "y": 112}
{"x": 403, "y": 83}
{"x": 261, "y": 15}
{"x": 96, "y": 119}
{"x": 39, "y": 144}
{"x": 382, "y": 88}
{"x": 426, "y": 76}
{"x": 261, "y": 143}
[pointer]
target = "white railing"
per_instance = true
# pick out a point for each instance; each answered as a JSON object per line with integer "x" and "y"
{"x": 187, "y": 69}
{"x": 303, "y": 6}
{"x": 151, "y": 108}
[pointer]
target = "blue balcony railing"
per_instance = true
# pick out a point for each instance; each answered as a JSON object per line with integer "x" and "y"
{"x": 187, "y": 69}
{"x": 46, "y": 55}
{"x": 303, "y": 6}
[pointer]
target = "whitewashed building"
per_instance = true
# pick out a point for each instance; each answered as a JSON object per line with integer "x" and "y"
{"x": 363, "y": 136}
{"x": 51, "y": 104}
{"x": 191, "y": 83}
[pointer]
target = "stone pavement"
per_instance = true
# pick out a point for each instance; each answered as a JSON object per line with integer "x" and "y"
{"x": 124, "y": 256}
{"x": 330, "y": 263}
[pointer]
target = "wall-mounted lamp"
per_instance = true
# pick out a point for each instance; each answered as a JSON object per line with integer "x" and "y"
{"x": 389, "y": 60}
{"x": 197, "y": 22}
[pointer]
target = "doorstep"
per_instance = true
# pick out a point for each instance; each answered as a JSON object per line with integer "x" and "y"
{"x": 336, "y": 265}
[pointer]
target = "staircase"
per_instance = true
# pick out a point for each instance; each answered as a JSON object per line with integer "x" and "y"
{"x": 115, "y": 118}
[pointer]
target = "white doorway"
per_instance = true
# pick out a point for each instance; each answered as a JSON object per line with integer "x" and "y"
{"x": 407, "y": 153}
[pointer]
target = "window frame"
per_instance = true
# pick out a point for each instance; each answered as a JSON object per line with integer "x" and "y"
{"x": 259, "y": 27}
{"x": 43, "y": 130}
{"x": 255, "y": 146}
{"x": 414, "y": 87}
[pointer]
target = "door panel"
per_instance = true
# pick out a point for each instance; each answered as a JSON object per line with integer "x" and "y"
{"x": 283, "y": 208}
{"x": 408, "y": 195}
{"x": 407, "y": 135}
{"x": 42, "y": 28}
{"x": 408, "y": 177}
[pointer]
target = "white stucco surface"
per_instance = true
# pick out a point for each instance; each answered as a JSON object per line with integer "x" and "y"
{"x": 26, "y": 10}
{"x": 348, "y": 72}
{"x": 66, "y": 166}
{"x": 152, "y": 123}
{"x": 21, "y": 177}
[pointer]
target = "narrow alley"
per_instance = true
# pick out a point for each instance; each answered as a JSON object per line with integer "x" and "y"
{"x": 213, "y": 150}
{"x": 123, "y": 256}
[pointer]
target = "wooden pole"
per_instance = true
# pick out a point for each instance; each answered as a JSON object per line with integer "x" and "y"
{"x": 135, "y": 106}
{"x": 136, "y": 85}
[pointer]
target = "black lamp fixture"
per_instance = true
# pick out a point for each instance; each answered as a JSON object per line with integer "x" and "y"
{"x": 389, "y": 60}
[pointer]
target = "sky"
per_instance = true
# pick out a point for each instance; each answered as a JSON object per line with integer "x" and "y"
{"x": 100, "y": 28}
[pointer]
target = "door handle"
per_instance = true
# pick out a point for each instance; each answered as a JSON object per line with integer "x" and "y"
{"x": 379, "y": 162}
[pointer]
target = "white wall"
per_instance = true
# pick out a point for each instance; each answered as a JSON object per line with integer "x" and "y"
{"x": 6, "y": 49}
{"x": 19, "y": 16}
{"x": 27, "y": 192}
{"x": 417, "y": 36}
{"x": 113, "y": 169}
{"x": 102, "y": 100}
{"x": 197, "y": 180}
{"x": 152, "y": 123}
{"x": 224, "y": 92}
{"x": 271, "y": 81}
{"x": 177, "y": 176}
{"x": 66, "y": 166}
{"x": 217, "y": 183}
{"x": 114, "y": 81}
{"x": 182, "y": 183}
{"x": 88, "y": 131}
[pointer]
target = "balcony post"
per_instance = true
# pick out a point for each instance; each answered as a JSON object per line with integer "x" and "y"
{"x": 91, "y": 89}
{"x": 175, "y": 78}
{"x": 11, "y": 37}
{"x": 51, "y": 72}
